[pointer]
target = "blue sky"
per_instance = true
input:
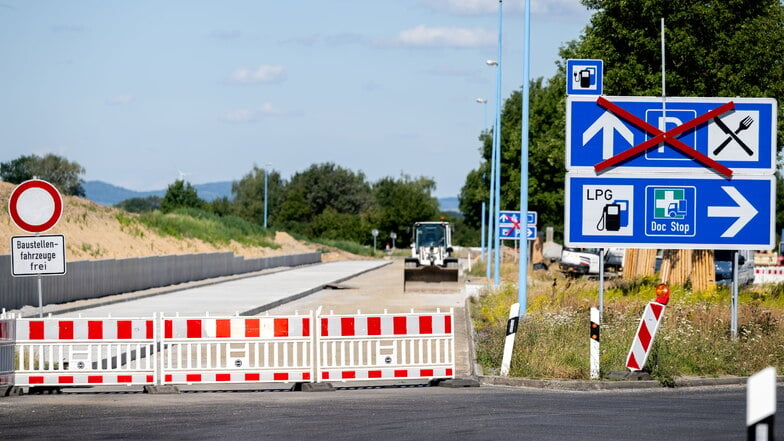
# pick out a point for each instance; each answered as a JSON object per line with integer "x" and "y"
{"x": 138, "y": 92}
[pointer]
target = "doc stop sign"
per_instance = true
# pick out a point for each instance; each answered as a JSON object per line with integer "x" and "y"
{"x": 35, "y": 206}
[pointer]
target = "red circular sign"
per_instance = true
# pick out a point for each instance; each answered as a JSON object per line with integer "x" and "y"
{"x": 35, "y": 206}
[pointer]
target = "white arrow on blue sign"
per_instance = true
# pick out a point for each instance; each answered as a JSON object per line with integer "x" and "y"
{"x": 700, "y": 212}
{"x": 743, "y": 139}
{"x": 509, "y": 225}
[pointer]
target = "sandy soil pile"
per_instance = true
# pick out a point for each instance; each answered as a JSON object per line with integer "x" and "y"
{"x": 94, "y": 231}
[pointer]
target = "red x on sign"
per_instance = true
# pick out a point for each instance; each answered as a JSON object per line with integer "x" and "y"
{"x": 668, "y": 137}
{"x": 516, "y": 226}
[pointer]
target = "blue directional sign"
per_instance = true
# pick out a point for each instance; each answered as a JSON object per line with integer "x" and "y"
{"x": 701, "y": 212}
{"x": 584, "y": 77}
{"x": 509, "y": 225}
{"x": 742, "y": 138}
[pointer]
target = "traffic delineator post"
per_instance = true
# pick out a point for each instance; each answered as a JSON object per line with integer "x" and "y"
{"x": 595, "y": 334}
{"x": 646, "y": 331}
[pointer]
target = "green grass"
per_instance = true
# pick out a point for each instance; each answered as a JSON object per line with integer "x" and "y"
{"x": 346, "y": 245}
{"x": 693, "y": 338}
{"x": 198, "y": 224}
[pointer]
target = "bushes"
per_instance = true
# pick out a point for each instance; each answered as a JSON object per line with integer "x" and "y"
{"x": 693, "y": 338}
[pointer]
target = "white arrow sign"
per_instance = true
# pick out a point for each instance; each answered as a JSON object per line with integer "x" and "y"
{"x": 744, "y": 211}
{"x": 609, "y": 123}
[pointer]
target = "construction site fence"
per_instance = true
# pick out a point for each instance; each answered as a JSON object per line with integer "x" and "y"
{"x": 87, "y": 279}
{"x": 164, "y": 350}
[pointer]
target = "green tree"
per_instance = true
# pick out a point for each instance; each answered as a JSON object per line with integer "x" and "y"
{"x": 140, "y": 205}
{"x": 401, "y": 202}
{"x": 330, "y": 224}
{"x": 714, "y": 48}
{"x": 249, "y": 196}
{"x": 63, "y": 174}
{"x": 180, "y": 194}
{"x": 322, "y": 186}
{"x": 546, "y": 170}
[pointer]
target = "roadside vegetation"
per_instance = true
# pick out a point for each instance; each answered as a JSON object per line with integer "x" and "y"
{"x": 693, "y": 338}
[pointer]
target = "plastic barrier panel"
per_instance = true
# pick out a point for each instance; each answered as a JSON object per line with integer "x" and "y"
{"x": 237, "y": 349}
{"x": 7, "y": 343}
{"x": 771, "y": 274}
{"x": 386, "y": 346}
{"x": 82, "y": 351}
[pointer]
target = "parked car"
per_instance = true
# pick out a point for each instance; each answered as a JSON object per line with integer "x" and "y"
{"x": 722, "y": 261}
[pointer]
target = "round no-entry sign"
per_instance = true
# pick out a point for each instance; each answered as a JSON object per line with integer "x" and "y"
{"x": 35, "y": 206}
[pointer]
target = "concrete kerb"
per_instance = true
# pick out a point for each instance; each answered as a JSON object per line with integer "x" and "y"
{"x": 308, "y": 292}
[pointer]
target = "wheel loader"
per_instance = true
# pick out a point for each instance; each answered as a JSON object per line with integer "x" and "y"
{"x": 431, "y": 265}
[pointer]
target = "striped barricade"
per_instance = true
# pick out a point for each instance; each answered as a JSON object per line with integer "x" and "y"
{"x": 237, "y": 349}
{"x": 82, "y": 351}
{"x": 769, "y": 274}
{"x": 386, "y": 346}
{"x": 7, "y": 344}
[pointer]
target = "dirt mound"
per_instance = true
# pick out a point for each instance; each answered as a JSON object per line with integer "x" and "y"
{"x": 94, "y": 231}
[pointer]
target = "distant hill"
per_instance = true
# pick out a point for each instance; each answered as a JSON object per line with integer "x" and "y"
{"x": 449, "y": 204}
{"x": 107, "y": 194}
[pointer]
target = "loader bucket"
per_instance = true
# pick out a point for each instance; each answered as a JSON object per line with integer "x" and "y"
{"x": 431, "y": 278}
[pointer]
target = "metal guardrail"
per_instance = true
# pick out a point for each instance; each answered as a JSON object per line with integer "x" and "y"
{"x": 86, "y": 279}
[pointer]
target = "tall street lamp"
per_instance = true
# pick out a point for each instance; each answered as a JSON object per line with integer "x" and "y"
{"x": 497, "y": 159}
{"x": 492, "y": 219}
{"x": 266, "y": 175}
{"x": 483, "y": 101}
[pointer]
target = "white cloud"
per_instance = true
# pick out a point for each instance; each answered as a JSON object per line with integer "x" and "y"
{"x": 264, "y": 74}
{"x": 120, "y": 100}
{"x": 424, "y": 36}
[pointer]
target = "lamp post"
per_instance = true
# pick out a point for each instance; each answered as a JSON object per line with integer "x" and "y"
{"x": 491, "y": 217}
{"x": 266, "y": 174}
{"x": 497, "y": 158}
{"x": 483, "y": 101}
{"x": 522, "y": 284}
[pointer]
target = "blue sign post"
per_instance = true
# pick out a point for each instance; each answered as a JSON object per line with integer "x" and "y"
{"x": 670, "y": 212}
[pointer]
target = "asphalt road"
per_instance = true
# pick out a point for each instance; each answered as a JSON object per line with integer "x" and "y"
{"x": 400, "y": 413}
{"x": 382, "y": 413}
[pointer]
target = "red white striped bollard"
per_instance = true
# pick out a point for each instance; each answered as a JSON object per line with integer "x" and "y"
{"x": 649, "y": 324}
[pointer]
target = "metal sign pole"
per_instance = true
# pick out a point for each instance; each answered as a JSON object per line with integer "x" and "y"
{"x": 40, "y": 292}
{"x": 601, "y": 282}
{"x": 40, "y": 299}
{"x": 734, "y": 312}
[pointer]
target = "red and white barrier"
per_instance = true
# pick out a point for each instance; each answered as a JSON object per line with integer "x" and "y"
{"x": 237, "y": 349}
{"x": 7, "y": 343}
{"x": 646, "y": 331}
{"x": 386, "y": 346}
{"x": 185, "y": 350}
{"x": 769, "y": 274}
{"x": 55, "y": 352}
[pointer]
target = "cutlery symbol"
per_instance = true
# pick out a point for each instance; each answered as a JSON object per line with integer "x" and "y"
{"x": 744, "y": 124}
